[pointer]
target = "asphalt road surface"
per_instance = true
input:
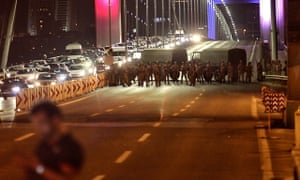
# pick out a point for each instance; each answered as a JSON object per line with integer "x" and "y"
{"x": 172, "y": 132}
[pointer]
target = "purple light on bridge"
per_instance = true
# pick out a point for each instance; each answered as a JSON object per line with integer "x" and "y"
{"x": 265, "y": 19}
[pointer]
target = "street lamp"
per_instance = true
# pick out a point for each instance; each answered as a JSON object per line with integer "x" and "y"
{"x": 244, "y": 31}
{"x": 137, "y": 22}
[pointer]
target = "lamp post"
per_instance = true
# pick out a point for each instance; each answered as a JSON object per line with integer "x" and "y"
{"x": 163, "y": 22}
{"x": 137, "y": 22}
{"x": 125, "y": 26}
{"x": 244, "y": 32}
{"x": 147, "y": 22}
{"x": 155, "y": 18}
{"x": 9, "y": 35}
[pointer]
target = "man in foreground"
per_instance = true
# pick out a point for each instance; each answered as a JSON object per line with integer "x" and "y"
{"x": 58, "y": 155}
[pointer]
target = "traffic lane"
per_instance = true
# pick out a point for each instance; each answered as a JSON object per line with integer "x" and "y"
{"x": 158, "y": 105}
{"x": 79, "y": 109}
{"x": 102, "y": 146}
{"x": 222, "y": 103}
{"x": 194, "y": 153}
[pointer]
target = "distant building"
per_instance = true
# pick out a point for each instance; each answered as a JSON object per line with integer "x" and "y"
{"x": 45, "y": 17}
{"x": 66, "y": 15}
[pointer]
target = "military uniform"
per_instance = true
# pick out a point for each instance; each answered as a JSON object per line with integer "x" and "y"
{"x": 222, "y": 72}
{"x": 156, "y": 71}
{"x": 192, "y": 75}
{"x": 141, "y": 75}
{"x": 230, "y": 72}
{"x": 184, "y": 71}
{"x": 241, "y": 72}
{"x": 259, "y": 72}
{"x": 249, "y": 73}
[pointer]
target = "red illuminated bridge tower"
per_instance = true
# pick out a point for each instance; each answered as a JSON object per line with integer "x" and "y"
{"x": 103, "y": 17}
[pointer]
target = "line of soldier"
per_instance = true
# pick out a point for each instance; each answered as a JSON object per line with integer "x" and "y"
{"x": 187, "y": 72}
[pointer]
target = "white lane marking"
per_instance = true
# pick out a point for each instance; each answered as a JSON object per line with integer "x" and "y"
{"x": 200, "y": 94}
{"x": 265, "y": 154}
{"x": 157, "y": 124}
{"x": 109, "y": 110}
{"x": 196, "y": 98}
{"x": 121, "y": 106}
{"x": 122, "y": 158}
{"x": 182, "y": 110}
{"x": 263, "y": 145}
{"x": 131, "y": 102}
{"x": 254, "y": 112}
{"x": 188, "y": 106}
{"x": 175, "y": 114}
{"x": 99, "y": 177}
{"x": 192, "y": 102}
{"x": 144, "y": 137}
{"x": 75, "y": 101}
{"x": 95, "y": 114}
{"x": 24, "y": 137}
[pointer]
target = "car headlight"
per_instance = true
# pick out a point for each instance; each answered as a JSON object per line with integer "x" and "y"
{"x": 37, "y": 84}
{"x": 30, "y": 86}
{"x": 62, "y": 77}
{"x": 31, "y": 77}
{"x": 53, "y": 83}
{"x": 16, "y": 89}
{"x": 107, "y": 67}
{"x": 8, "y": 75}
{"x": 129, "y": 59}
{"x": 82, "y": 73}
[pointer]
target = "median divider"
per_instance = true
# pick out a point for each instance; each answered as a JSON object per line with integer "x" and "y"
{"x": 59, "y": 92}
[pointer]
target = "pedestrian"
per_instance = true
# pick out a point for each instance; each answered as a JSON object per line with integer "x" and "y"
{"x": 58, "y": 155}
{"x": 249, "y": 73}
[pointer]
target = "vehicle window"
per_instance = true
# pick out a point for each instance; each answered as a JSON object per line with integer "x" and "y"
{"x": 76, "y": 68}
{"x": 25, "y": 71}
{"x": 47, "y": 76}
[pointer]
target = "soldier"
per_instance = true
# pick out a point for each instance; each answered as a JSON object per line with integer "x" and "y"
{"x": 192, "y": 74}
{"x": 184, "y": 69}
{"x": 222, "y": 72}
{"x": 141, "y": 75}
{"x": 208, "y": 74}
{"x": 166, "y": 69}
{"x": 241, "y": 72}
{"x": 156, "y": 71}
{"x": 249, "y": 73}
{"x": 148, "y": 74}
{"x": 259, "y": 72}
{"x": 175, "y": 72}
{"x": 230, "y": 72}
{"x": 199, "y": 73}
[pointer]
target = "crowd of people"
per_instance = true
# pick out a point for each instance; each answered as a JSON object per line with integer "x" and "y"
{"x": 189, "y": 73}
